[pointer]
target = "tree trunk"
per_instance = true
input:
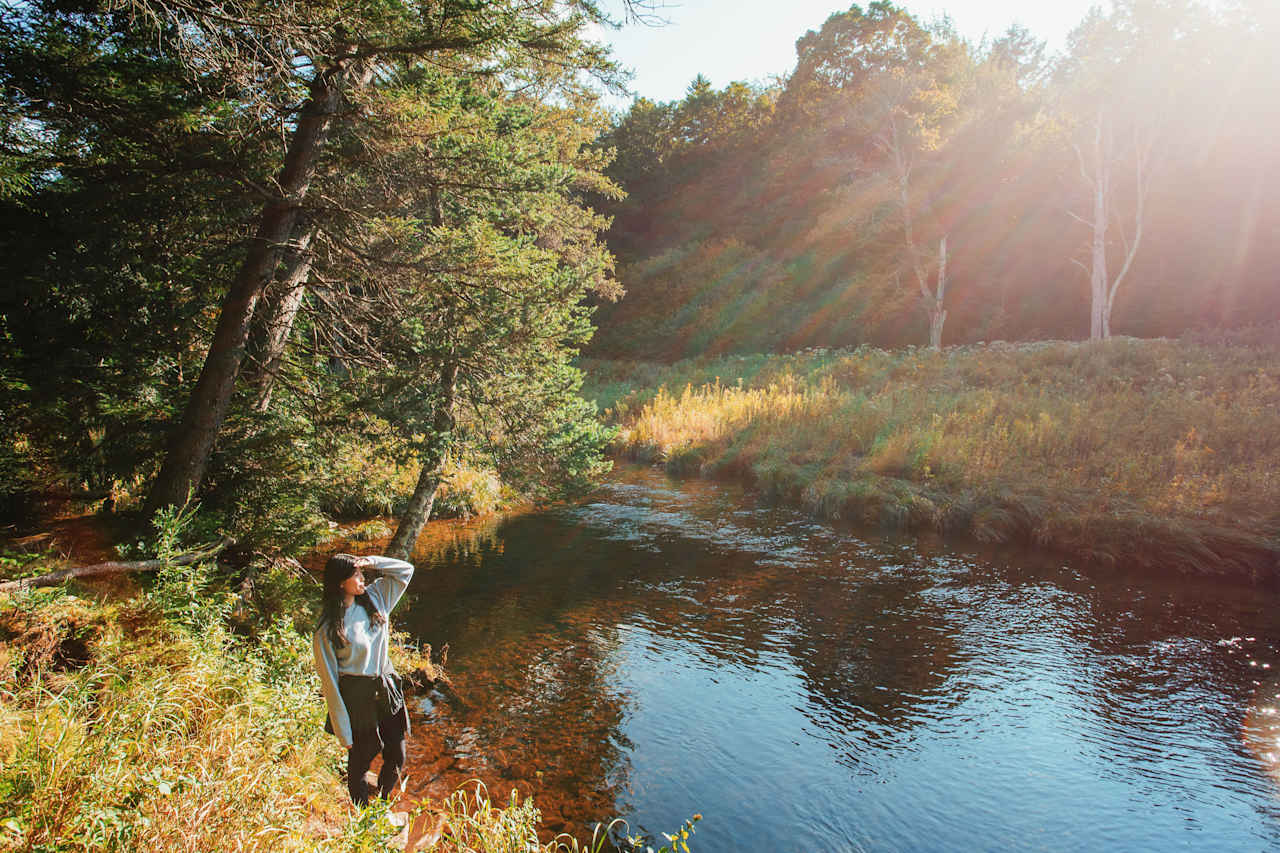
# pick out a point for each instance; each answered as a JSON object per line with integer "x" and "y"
{"x": 192, "y": 441}
{"x": 937, "y": 307}
{"x": 1102, "y": 289}
{"x": 1142, "y": 185}
{"x": 1098, "y": 271}
{"x": 115, "y": 568}
{"x": 273, "y": 321}
{"x": 934, "y": 302}
{"x": 1099, "y": 319}
{"x": 424, "y": 493}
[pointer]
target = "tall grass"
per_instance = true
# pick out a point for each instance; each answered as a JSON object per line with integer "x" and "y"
{"x": 161, "y": 741}
{"x": 469, "y": 821}
{"x": 150, "y": 724}
{"x": 1160, "y": 453}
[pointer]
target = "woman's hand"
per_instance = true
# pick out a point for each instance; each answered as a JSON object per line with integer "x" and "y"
{"x": 364, "y": 564}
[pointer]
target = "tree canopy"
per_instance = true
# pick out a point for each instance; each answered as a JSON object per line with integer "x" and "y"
{"x": 794, "y": 230}
{"x": 247, "y": 237}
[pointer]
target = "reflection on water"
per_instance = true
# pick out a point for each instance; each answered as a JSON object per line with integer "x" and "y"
{"x": 667, "y": 648}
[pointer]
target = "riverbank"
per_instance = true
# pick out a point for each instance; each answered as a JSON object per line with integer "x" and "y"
{"x": 1159, "y": 454}
{"x": 125, "y": 727}
{"x": 180, "y": 711}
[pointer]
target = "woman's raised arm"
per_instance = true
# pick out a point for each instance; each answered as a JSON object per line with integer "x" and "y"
{"x": 393, "y": 579}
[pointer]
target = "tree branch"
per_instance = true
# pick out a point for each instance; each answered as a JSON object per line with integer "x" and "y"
{"x": 1078, "y": 218}
{"x": 116, "y": 568}
{"x": 1131, "y": 249}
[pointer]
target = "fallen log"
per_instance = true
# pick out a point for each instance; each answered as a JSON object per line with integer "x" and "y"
{"x": 115, "y": 567}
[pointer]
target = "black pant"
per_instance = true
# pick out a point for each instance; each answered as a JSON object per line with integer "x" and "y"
{"x": 389, "y": 739}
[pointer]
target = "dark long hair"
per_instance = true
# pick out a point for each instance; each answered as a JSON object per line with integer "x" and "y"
{"x": 337, "y": 569}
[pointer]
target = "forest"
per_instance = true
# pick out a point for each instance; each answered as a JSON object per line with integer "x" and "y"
{"x": 294, "y": 274}
{"x": 981, "y": 289}
{"x": 282, "y": 276}
{"x": 902, "y": 186}
{"x": 284, "y": 269}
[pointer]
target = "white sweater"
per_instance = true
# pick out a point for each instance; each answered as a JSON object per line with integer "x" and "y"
{"x": 366, "y": 649}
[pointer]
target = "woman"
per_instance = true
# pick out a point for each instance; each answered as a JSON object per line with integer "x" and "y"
{"x": 366, "y": 706}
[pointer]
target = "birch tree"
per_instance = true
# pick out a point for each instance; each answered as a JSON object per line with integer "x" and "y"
{"x": 1118, "y": 89}
{"x": 903, "y": 150}
{"x": 909, "y": 110}
{"x": 1101, "y": 161}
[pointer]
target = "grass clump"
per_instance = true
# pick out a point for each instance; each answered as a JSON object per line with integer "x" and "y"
{"x": 160, "y": 739}
{"x": 469, "y": 821}
{"x": 1156, "y": 453}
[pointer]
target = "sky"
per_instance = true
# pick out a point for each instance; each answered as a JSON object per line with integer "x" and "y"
{"x": 754, "y": 40}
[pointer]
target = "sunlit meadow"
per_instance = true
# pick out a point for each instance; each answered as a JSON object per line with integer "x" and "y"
{"x": 1157, "y": 453}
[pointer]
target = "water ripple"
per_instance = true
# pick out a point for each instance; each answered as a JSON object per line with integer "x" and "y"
{"x": 666, "y": 649}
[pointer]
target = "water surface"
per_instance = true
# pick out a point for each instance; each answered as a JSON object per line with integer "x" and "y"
{"x": 668, "y": 648}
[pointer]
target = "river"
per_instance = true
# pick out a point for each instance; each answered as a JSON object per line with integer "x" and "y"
{"x": 666, "y": 648}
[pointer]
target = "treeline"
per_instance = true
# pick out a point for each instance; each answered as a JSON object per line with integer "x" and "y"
{"x": 904, "y": 186}
{"x": 291, "y": 259}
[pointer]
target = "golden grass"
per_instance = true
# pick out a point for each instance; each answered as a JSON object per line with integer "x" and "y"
{"x": 163, "y": 741}
{"x": 1162, "y": 453}
{"x": 123, "y": 730}
{"x": 469, "y": 822}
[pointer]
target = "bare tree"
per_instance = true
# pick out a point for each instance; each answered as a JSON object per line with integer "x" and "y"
{"x": 910, "y": 126}
{"x": 1100, "y": 166}
{"x": 1118, "y": 88}
{"x": 932, "y": 297}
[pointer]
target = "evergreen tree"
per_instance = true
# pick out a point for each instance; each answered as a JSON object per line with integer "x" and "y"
{"x": 127, "y": 208}
{"x": 329, "y": 55}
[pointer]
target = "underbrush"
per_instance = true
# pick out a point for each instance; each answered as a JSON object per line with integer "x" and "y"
{"x": 370, "y": 481}
{"x": 146, "y": 725}
{"x": 188, "y": 717}
{"x": 1156, "y": 453}
{"x": 469, "y": 821}
{"x": 276, "y": 482}
{"x": 181, "y": 717}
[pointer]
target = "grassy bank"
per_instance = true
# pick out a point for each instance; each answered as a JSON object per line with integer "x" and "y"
{"x": 1161, "y": 454}
{"x": 183, "y": 716}
{"x": 122, "y": 728}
